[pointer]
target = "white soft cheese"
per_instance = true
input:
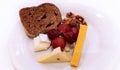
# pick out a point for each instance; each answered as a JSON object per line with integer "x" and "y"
{"x": 41, "y": 42}
{"x": 44, "y": 38}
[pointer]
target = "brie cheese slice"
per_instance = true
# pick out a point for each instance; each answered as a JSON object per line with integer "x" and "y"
{"x": 41, "y": 42}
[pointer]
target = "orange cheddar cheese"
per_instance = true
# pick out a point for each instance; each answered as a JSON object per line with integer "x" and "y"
{"x": 78, "y": 47}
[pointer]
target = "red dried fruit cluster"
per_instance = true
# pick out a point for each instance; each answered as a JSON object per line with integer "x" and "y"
{"x": 66, "y": 32}
{"x": 52, "y": 34}
{"x": 58, "y": 42}
{"x": 63, "y": 28}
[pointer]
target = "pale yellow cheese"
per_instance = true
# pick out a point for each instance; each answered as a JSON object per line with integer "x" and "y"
{"x": 55, "y": 56}
{"x": 79, "y": 45}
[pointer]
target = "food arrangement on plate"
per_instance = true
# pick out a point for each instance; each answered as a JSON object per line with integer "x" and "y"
{"x": 65, "y": 37}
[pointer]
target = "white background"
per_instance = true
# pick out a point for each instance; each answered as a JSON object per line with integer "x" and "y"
{"x": 10, "y": 8}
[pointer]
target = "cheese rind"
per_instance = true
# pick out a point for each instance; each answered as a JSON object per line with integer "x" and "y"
{"x": 79, "y": 45}
{"x": 55, "y": 56}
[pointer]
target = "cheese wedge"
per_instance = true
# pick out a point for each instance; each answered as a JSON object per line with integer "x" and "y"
{"x": 78, "y": 47}
{"x": 54, "y": 57}
{"x": 41, "y": 42}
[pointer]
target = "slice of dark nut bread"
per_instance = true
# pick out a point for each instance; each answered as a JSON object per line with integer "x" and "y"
{"x": 40, "y": 19}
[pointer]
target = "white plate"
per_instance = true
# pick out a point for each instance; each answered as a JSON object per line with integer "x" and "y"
{"x": 99, "y": 51}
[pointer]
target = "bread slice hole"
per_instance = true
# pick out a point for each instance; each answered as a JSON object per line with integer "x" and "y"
{"x": 44, "y": 16}
{"x": 38, "y": 20}
{"x": 29, "y": 14}
{"x": 55, "y": 13}
{"x": 29, "y": 25}
{"x": 48, "y": 25}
